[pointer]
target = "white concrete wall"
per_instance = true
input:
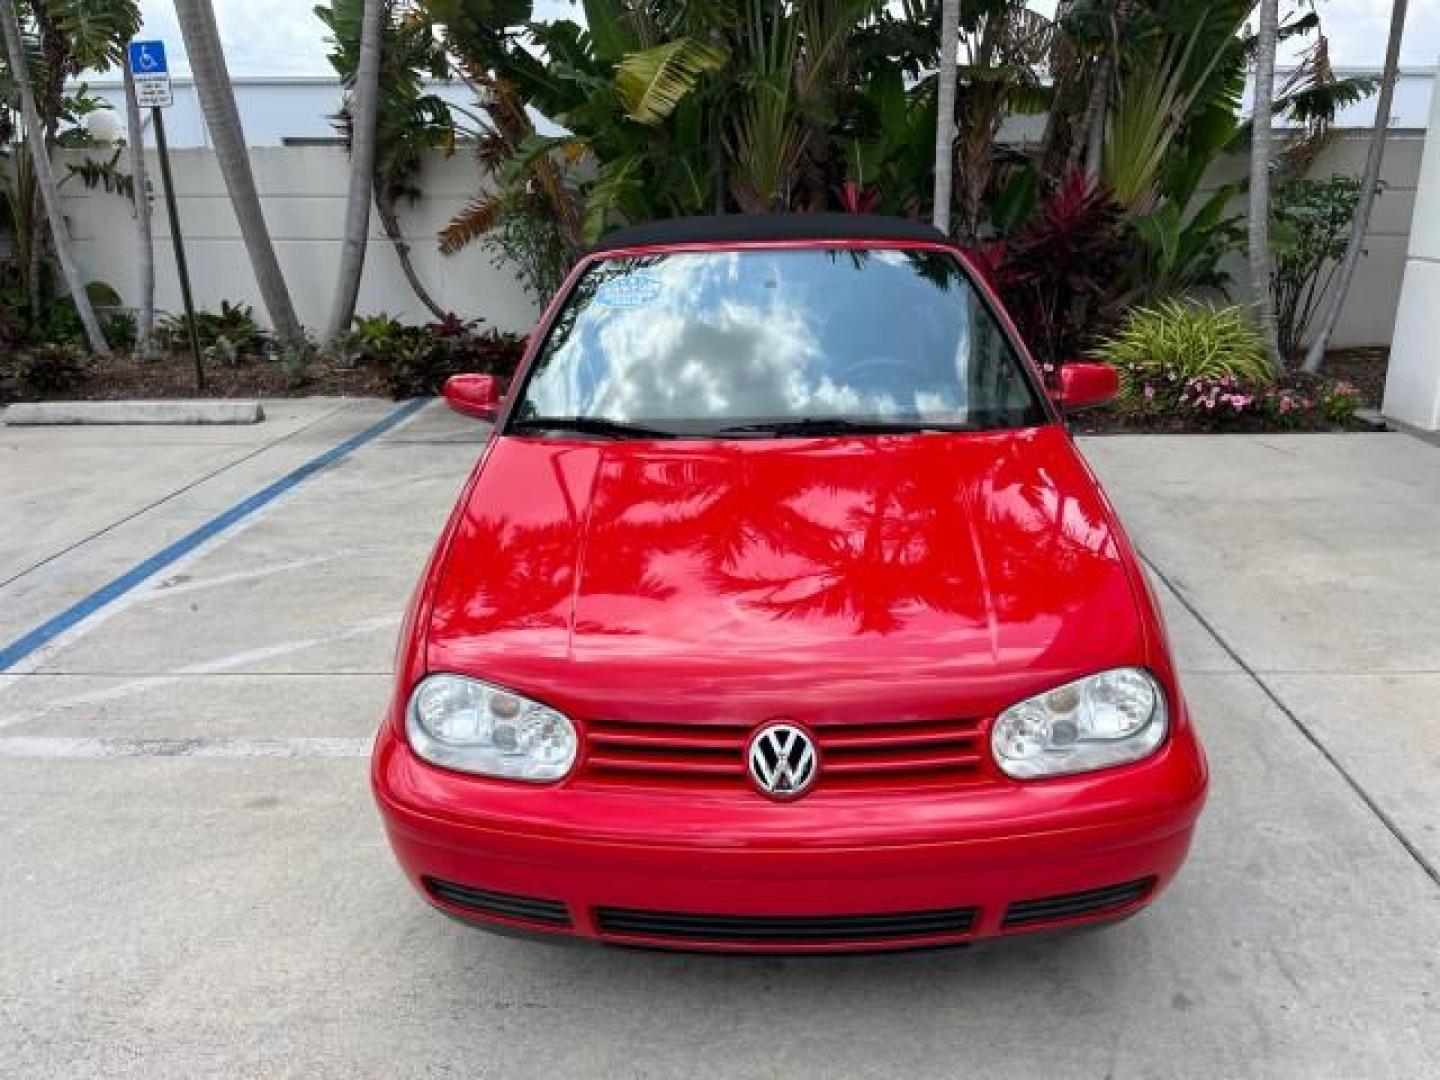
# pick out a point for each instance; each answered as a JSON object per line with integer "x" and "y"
{"x": 272, "y": 108}
{"x": 303, "y": 190}
{"x": 1412, "y": 388}
{"x": 1369, "y": 316}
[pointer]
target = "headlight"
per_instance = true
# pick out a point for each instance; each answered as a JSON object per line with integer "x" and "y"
{"x": 474, "y": 727}
{"x": 1108, "y": 719}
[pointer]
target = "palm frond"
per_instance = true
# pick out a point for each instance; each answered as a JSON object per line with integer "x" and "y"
{"x": 477, "y": 219}
{"x": 95, "y": 31}
{"x": 1323, "y": 101}
{"x": 654, "y": 81}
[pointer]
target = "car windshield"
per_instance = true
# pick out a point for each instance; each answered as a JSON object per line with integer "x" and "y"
{"x": 775, "y": 341}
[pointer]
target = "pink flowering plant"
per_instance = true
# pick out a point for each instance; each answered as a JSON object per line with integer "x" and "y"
{"x": 1195, "y": 367}
{"x": 1207, "y": 402}
{"x": 1339, "y": 402}
{"x": 1170, "y": 399}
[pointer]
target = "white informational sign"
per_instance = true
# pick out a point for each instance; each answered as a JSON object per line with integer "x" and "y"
{"x": 152, "y": 74}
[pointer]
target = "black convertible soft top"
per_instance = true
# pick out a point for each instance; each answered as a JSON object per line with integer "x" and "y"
{"x": 759, "y": 228}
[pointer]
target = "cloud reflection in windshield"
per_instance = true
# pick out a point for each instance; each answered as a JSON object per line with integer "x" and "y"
{"x": 734, "y": 336}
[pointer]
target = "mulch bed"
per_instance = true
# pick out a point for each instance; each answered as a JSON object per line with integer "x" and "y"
{"x": 127, "y": 378}
{"x": 1363, "y": 368}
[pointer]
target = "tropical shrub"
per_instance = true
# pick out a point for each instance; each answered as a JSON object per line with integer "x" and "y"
{"x": 233, "y": 322}
{"x": 1309, "y": 231}
{"x": 1180, "y": 254}
{"x": 1062, "y": 276}
{"x": 373, "y": 337}
{"x": 43, "y": 371}
{"x": 57, "y": 323}
{"x": 119, "y": 325}
{"x": 523, "y": 240}
{"x": 1175, "y": 343}
{"x": 416, "y": 360}
{"x": 421, "y": 365}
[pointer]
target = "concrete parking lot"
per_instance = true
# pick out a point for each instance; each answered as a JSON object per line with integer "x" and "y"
{"x": 195, "y": 881}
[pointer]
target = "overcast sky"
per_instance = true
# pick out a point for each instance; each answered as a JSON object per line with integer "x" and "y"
{"x": 283, "y": 37}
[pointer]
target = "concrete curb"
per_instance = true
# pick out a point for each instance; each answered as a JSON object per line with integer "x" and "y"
{"x": 46, "y": 413}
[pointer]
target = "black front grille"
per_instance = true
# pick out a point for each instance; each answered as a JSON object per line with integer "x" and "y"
{"x": 795, "y": 929}
{"x": 500, "y": 905}
{"x": 1076, "y": 905}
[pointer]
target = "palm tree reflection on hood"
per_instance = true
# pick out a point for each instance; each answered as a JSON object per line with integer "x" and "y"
{"x": 880, "y": 533}
{"x": 879, "y": 539}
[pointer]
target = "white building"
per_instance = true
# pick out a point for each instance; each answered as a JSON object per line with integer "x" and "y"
{"x": 297, "y": 110}
{"x": 279, "y": 110}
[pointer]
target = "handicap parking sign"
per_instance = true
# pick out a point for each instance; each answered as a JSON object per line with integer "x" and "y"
{"x": 151, "y": 70}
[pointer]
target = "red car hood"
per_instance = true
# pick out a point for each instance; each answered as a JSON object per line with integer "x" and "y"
{"x": 825, "y": 577}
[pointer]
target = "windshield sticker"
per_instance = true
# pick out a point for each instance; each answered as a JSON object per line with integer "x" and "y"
{"x": 625, "y": 293}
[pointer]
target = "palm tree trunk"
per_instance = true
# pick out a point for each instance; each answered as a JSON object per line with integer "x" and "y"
{"x": 364, "y": 105}
{"x": 45, "y": 180}
{"x": 31, "y": 242}
{"x": 1369, "y": 186}
{"x": 1261, "y": 259}
{"x": 945, "y": 116}
{"x": 217, "y": 99}
{"x": 390, "y": 222}
{"x": 144, "y": 236}
{"x": 1097, "y": 110}
{"x": 1093, "y": 126}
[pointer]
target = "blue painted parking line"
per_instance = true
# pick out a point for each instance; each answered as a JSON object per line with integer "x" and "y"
{"x": 42, "y": 635}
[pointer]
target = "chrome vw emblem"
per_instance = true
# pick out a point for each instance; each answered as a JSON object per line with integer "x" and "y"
{"x": 783, "y": 761}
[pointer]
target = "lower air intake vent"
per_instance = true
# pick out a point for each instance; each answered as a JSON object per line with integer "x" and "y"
{"x": 499, "y": 905}
{"x": 796, "y": 929}
{"x": 1077, "y": 905}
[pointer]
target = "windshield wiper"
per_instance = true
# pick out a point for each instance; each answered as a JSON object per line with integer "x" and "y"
{"x": 588, "y": 425}
{"x": 835, "y": 426}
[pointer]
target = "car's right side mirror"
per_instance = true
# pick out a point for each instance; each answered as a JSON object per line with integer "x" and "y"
{"x": 1086, "y": 386}
{"x": 473, "y": 395}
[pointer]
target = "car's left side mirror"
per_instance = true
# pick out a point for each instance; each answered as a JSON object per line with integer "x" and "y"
{"x": 473, "y": 395}
{"x": 1086, "y": 386}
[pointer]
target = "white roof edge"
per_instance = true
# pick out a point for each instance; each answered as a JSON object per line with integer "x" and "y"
{"x": 114, "y": 82}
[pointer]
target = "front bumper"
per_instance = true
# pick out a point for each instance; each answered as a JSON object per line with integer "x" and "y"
{"x": 844, "y": 872}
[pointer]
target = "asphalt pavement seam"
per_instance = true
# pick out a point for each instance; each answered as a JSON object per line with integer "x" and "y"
{"x": 1304, "y": 729}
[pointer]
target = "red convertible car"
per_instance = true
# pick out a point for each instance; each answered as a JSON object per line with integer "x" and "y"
{"x": 781, "y": 614}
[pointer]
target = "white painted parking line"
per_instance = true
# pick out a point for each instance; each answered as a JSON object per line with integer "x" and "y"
{"x": 235, "y": 662}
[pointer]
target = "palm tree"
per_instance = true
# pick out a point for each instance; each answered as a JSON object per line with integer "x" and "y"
{"x": 1261, "y": 260}
{"x": 1369, "y": 185}
{"x": 410, "y": 122}
{"x": 144, "y": 236}
{"x": 945, "y": 124}
{"x": 217, "y": 99}
{"x": 45, "y": 180}
{"x": 364, "y": 109}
